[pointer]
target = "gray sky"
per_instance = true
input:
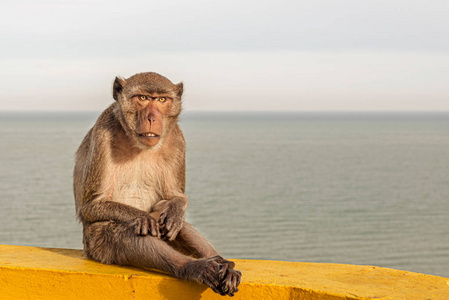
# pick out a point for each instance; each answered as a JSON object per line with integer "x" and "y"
{"x": 231, "y": 55}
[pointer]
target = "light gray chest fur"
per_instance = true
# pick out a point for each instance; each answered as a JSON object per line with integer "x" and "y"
{"x": 136, "y": 186}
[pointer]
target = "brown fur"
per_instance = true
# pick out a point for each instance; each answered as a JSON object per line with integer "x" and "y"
{"x": 129, "y": 182}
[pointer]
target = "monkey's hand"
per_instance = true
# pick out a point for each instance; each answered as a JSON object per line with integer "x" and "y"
{"x": 145, "y": 225}
{"x": 171, "y": 218}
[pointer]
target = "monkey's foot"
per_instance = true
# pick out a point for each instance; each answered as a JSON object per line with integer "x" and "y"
{"x": 215, "y": 272}
{"x": 230, "y": 283}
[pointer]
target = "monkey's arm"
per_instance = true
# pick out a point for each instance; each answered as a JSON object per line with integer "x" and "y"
{"x": 143, "y": 223}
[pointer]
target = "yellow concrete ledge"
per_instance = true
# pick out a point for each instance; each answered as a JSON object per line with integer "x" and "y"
{"x": 47, "y": 273}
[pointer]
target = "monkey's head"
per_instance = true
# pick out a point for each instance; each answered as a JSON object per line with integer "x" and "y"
{"x": 148, "y": 107}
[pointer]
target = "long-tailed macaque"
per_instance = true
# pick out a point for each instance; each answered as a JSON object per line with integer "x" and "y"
{"x": 129, "y": 182}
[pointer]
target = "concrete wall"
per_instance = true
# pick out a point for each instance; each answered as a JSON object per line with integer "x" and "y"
{"x": 46, "y": 273}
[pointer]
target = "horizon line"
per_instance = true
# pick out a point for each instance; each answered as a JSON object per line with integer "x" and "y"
{"x": 242, "y": 111}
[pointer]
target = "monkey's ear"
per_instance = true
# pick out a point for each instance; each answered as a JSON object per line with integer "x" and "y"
{"x": 180, "y": 89}
{"x": 118, "y": 87}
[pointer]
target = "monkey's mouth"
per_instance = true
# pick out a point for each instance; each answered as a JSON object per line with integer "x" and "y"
{"x": 149, "y": 135}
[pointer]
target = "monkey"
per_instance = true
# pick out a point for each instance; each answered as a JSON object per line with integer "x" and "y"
{"x": 129, "y": 187}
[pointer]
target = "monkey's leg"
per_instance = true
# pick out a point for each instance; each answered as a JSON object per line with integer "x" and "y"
{"x": 117, "y": 243}
{"x": 192, "y": 243}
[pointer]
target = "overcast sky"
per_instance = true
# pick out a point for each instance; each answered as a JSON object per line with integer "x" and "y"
{"x": 231, "y": 55}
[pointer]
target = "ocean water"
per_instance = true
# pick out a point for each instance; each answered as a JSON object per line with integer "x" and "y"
{"x": 356, "y": 188}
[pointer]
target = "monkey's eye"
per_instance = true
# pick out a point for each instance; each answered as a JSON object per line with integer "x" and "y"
{"x": 143, "y": 98}
{"x": 162, "y": 99}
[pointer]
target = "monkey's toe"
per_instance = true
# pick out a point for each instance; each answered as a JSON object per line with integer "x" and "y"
{"x": 230, "y": 283}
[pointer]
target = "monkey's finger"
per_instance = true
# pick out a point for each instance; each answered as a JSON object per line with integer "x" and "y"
{"x": 240, "y": 274}
{"x": 137, "y": 225}
{"x": 230, "y": 292}
{"x": 162, "y": 218}
{"x": 169, "y": 223}
{"x": 173, "y": 234}
{"x": 163, "y": 231}
{"x": 169, "y": 235}
{"x": 223, "y": 271}
{"x": 238, "y": 279}
{"x": 154, "y": 229}
{"x": 234, "y": 284}
{"x": 230, "y": 283}
{"x": 144, "y": 228}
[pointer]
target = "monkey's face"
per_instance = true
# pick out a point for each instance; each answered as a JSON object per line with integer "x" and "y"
{"x": 150, "y": 112}
{"x": 149, "y": 105}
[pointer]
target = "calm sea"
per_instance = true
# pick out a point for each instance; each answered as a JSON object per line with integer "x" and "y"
{"x": 356, "y": 188}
